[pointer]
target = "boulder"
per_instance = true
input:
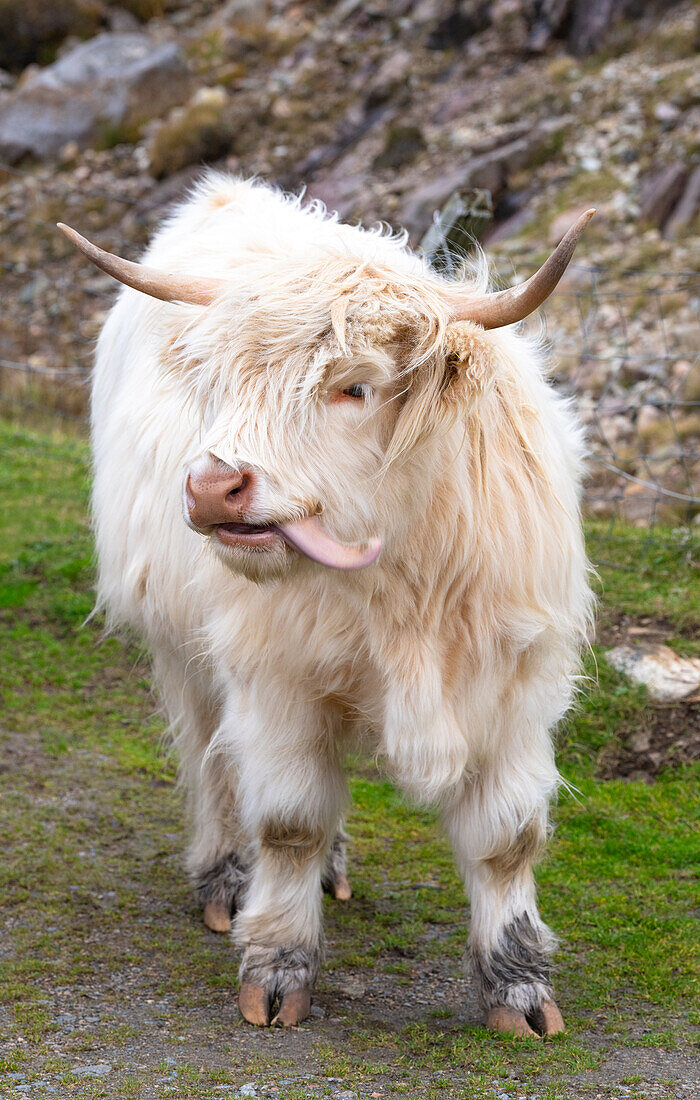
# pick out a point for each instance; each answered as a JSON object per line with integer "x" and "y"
{"x": 460, "y": 222}
{"x": 661, "y": 190}
{"x": 100, "y": 92}
{"x": 686, "y": 208}
{"x": 488, "y": 171}
{"x": 667, "y": 677}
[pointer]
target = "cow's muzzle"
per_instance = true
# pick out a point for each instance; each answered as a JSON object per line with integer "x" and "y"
{"x": 219, "y": 501}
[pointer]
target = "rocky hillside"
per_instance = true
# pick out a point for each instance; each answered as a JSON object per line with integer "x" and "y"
{"x": 508, "y": 116}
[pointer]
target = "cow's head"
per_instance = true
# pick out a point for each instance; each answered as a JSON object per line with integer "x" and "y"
{"x": 311, "y": 381}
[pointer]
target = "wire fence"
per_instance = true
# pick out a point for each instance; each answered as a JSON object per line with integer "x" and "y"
{"x": 624, "y": 347}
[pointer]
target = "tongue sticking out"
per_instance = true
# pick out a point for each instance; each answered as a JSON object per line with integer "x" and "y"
{"x": 310, "y": 538}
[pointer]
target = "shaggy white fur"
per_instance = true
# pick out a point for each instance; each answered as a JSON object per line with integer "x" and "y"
{"x": 455, "y": 654}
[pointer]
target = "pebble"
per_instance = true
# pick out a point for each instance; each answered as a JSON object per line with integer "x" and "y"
{"x": 247, "y": 1090}
{"x": 99, "y": 1069}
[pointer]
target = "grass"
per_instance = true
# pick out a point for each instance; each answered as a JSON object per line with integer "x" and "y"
{"x": 104, "y": 960}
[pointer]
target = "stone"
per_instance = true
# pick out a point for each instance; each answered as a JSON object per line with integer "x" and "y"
{"x": 661, "y": 190}
{"x": 488, "y": 171}
{"x": 591, "y": 21}
{"x": 98, "y": 1069}
{"x": 686, "y": 207}
{"x": 666, "y": 112}
{"x": 461, "y": 221}
{"x": 101, "y": 90}
{"x": 561, "y": 223}
{"x": 668, "y": 678}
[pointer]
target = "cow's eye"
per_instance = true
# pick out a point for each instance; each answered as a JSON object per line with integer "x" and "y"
{"x": 358, "y": 391}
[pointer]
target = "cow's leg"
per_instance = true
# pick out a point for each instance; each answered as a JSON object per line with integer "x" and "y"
{"x": 498, "y": 825}
{"x": 214, "y": 864}
{"x": 335, "y": 875}
{"x": 291, "y": 793}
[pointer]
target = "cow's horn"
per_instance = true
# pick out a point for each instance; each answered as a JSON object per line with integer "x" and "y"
{"x": 508, "y": 306}
{"x": 159, "y": 284}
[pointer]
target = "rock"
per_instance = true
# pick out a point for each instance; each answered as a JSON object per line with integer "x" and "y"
{"x": 661, "y": 191}
{"x": 667, "y": 677}
{"x": 32, "y": 30}
{"x": 99, "y": 1069}
{"x": 352, "y": 987}
{"x": 666, "y": 112}
{"x": 489, "y": 171}
{"x": 98, "y": 92}
{"x": 461, "y": 221}
{"x": 197, "y": 132}
{"x": 561, "y": 223}
{"x": 392, "y": 73}
{"x": 486, "y": 172}
{"x": 686, "y": 208}
{"x": 512, "y": 226}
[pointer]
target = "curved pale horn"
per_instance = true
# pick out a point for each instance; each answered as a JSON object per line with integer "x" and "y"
{"x": 159, "y": 284}
{"x": 505, "y": 307}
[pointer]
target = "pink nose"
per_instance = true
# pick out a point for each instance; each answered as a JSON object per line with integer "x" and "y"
{"x": 216, "y": 493}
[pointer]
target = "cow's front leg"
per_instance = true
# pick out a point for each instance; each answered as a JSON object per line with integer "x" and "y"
{"x": 291, "y": 793}
{"x": 498, "y": 828}
{"x": 280, "y": 927}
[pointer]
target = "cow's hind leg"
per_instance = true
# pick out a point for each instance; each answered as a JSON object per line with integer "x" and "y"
{"x": 215, "y": 869}
{"x": 335, "y": 875}
{"x": 219, "y": 889}
{"x": 498, "y": 828}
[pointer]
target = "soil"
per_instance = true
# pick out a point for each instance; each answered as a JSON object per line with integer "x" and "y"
{"x": 670, "y": 737}
{"x": 670, "y": 734}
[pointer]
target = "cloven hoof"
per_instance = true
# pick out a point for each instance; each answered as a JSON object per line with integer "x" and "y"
{"x": 342, "y": 891}
{"x": 254, "y": 1003}
{"x": 217, "y": 917}
{"x": 547, "y": 1020}
{"x": 508, "y": 1021}
{"x": 295, "y": 1007}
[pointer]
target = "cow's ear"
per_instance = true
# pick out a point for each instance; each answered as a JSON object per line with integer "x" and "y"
{"x": 470, "y": 360}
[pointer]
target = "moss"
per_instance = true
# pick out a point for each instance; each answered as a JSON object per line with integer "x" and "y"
{"x": 199, "y": 131}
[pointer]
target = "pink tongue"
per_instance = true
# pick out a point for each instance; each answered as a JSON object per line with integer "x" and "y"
{"x": 308, "y": 536}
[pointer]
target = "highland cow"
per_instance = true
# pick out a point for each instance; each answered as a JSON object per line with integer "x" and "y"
{"x": 336, "y": 495}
